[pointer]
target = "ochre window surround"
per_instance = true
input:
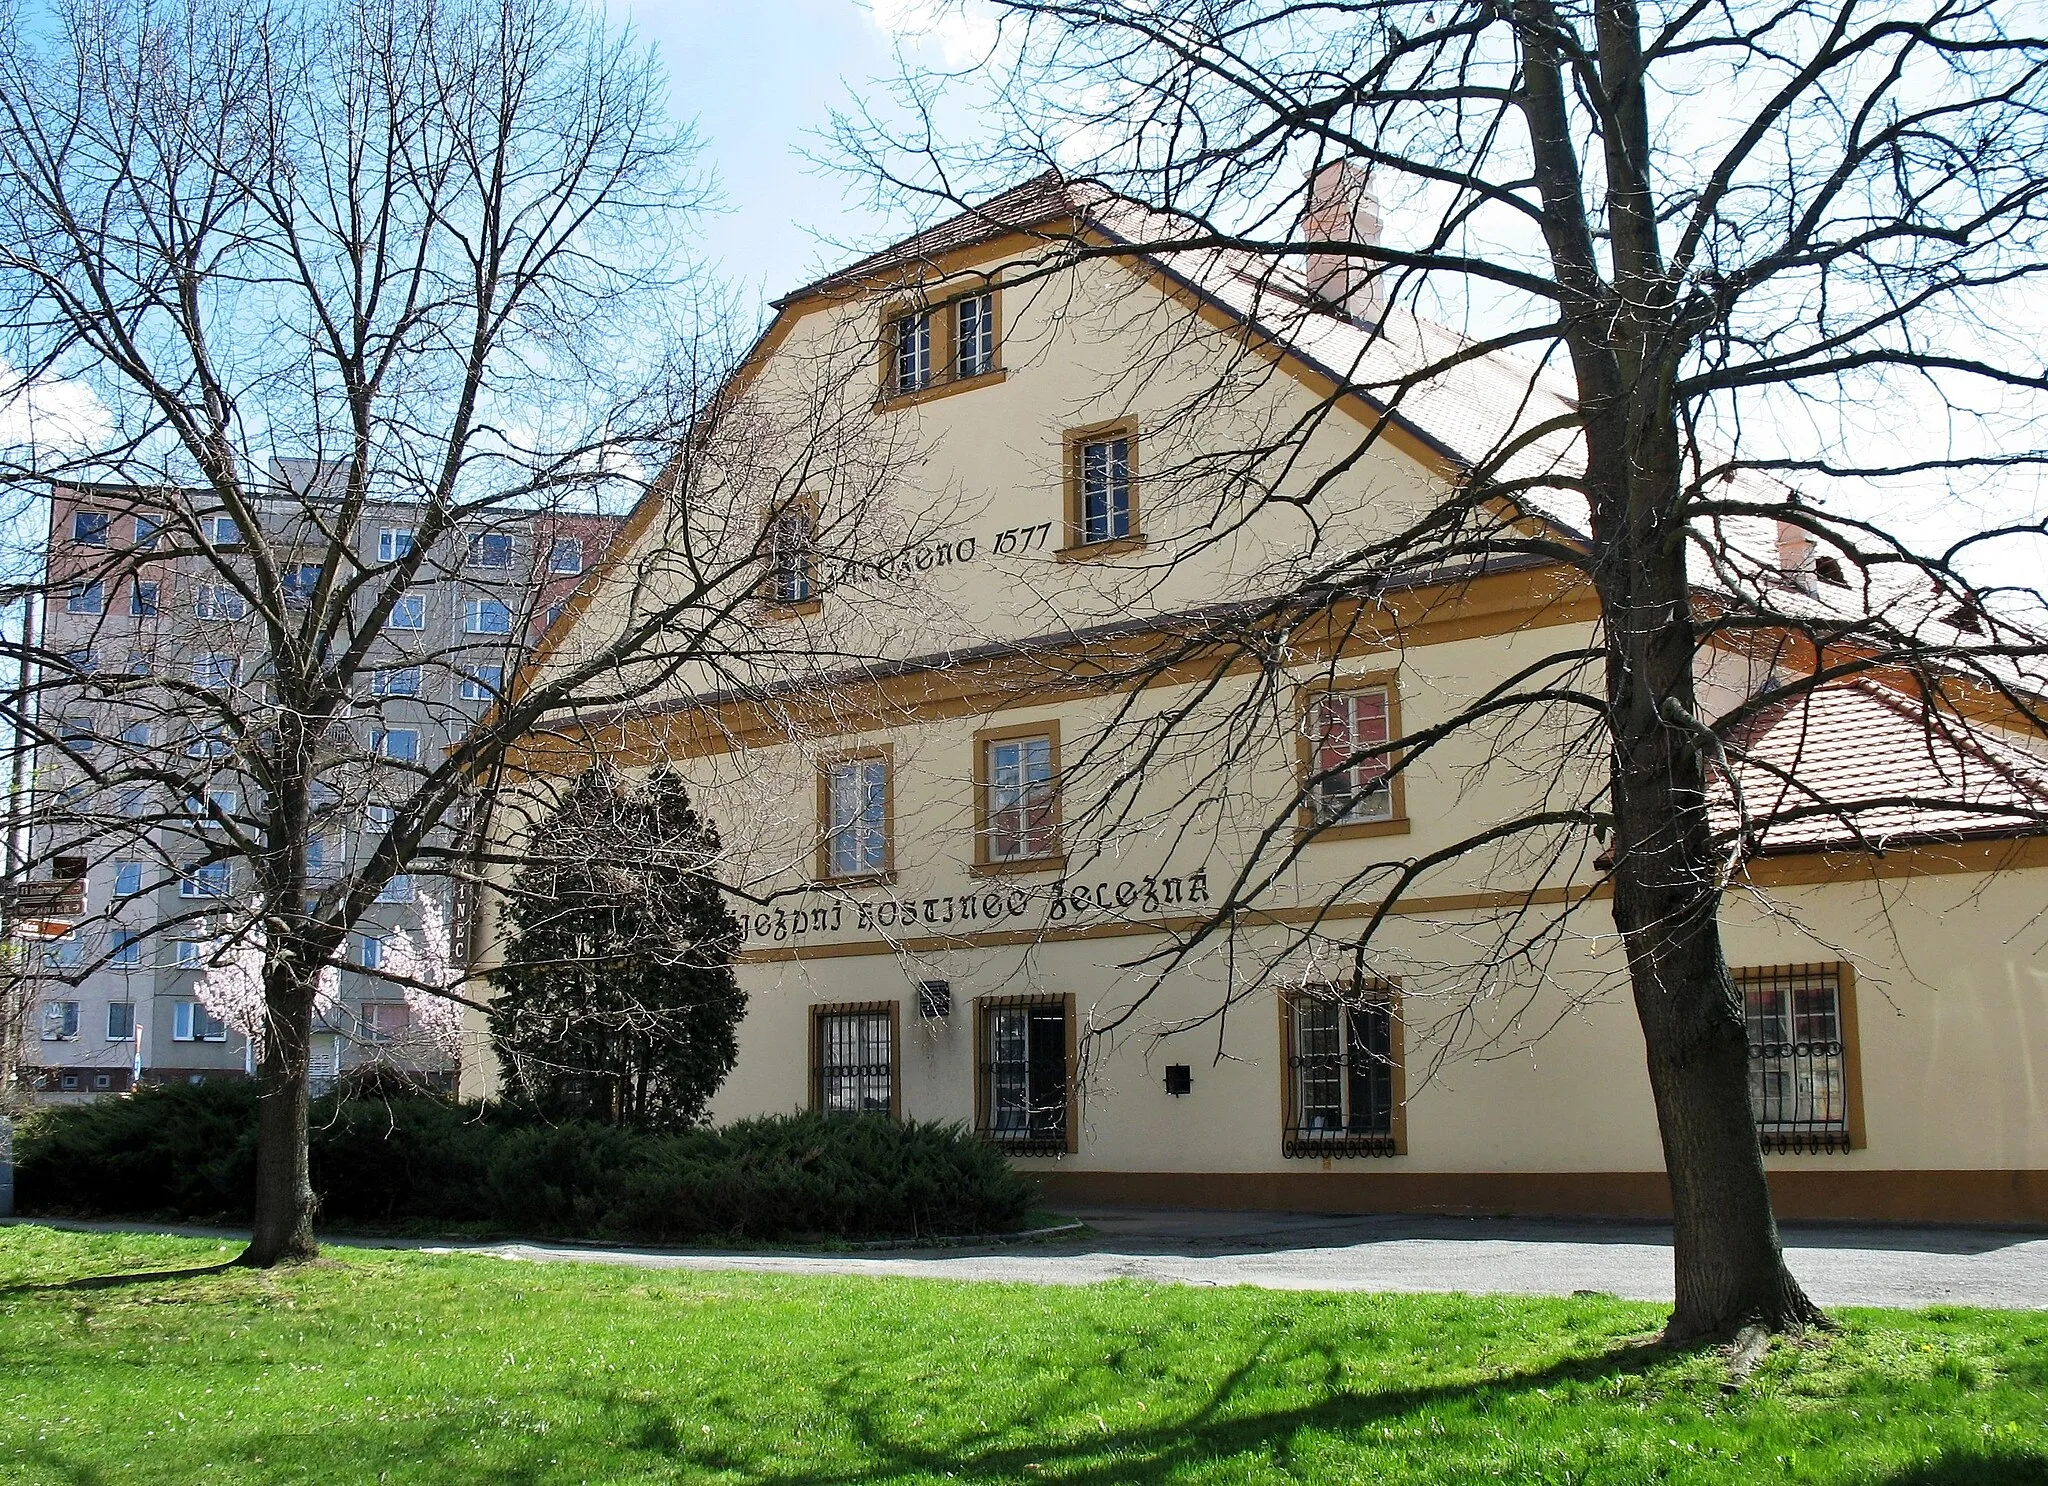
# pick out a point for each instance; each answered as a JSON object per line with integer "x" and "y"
{"x": 1015, "y": 1107}
{"x": 831, "y": 831}
{"x": 1805, "y": 1060}
{"x": 941, "y": 359}
{"x": 776, "y": 524}
{"x": 1343, "y": 1072}
{"x": 1036, "y": 819}
{"x": 1076, "y": 443}
{"x": 1309, "y": 732}
{"x": 842, "y": 1031}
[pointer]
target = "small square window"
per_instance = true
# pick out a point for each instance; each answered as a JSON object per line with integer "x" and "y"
{"x": 78, "y": 734}
{"x": 301, "y": 580}
{"x": 408, "y": 613}
{"x": 120, "y": 1021}
{"x": 482, "y": 683}
{"x": 60, "y": 1021}
{"x": 402, "y": 745}
{"x": 397, "y": 890}
{"x": 385, "y": 1022}
{"x": 208, "y": 880}
{"x": 219, "y": 601}
{"x": 490, "y": 549}
{"x": 67, "y": 951}
{"x": 565, "y": 555}
{"x": 394, "y": 543}
{"x": 189, "y": 954}
{"x": 89, "y": 528}
{"x": 135, "y": 735}
{"x": 222, "y": 531}
{"x": 142, "y": 600}
{"x": 83, "y": 662}
{"x": 86, "y": 598}
{"x": 485, "y": 616}
{"x": 214, "y": 672}
{"x": 212, "y": 742}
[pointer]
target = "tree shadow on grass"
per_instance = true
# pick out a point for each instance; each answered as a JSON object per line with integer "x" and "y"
{"x": 118, "y": 1281}
{"x": 1975, "y": 1468}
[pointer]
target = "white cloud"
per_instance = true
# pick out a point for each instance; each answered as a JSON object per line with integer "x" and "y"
{"x": 962, "y": 32}
{"x": 43, "y": 415}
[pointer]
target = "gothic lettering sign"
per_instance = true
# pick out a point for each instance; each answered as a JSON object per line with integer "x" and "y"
{"x": 1069, "y": 902}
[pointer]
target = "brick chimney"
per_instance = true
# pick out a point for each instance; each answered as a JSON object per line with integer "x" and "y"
{"x": 1342, "y": 209}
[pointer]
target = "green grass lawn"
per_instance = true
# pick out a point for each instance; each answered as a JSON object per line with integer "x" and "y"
{"x": 376, "y": 1367}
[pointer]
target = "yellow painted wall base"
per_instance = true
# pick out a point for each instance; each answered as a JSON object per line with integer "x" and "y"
{"x": 2017, "y": 1197}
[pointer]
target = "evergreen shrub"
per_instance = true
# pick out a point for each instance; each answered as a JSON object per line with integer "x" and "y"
{"x": 187, "y": 1152}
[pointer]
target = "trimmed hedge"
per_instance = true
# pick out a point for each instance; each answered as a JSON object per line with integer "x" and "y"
{"x": 188, "y": 1151}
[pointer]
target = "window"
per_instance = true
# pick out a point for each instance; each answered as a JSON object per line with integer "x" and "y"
{"x": 219, "y": 601}
{"x": 486, "y": 617}
{"x": 189, "y": 954}
{"x": 565, "y": 555}
{"x": 60, "y": 1021}
{"x": 793, "y": 555}
{"x": 1803, "y": 1087}
{"x": 490, "y": 549}
{"x": 142, "y": 600}
{"x": 855, "y": 806}
{"x": 1346, "y": 767}
{"x": 394, "y": 543}
{"x": 89, "y": 528}
{"x": 135, "y": 735}
{"x": 385, "y": 1022}
{"x": 139, "y": 664}
{"x": 482, "y": 683}
{"x": 83, "y": 662}
{"x": 397, "y": 890}
{"x": 1344, "y": 1095}
{"x": 215, "y": 672}
{"x": 1024, "y": 1097}
{"x": 127, "y": 879}
{"x": 120, "y": 1021}
{"x": 300, "y": 580}
{"x": 191, "y": 1022}
{"x": 78, "y": 735}
{"x": 222, "y": 531}
{"x": 324, "y": 854}
{"x": 379, "y": 816}
{"x": 910, "y": 344}
{"x": 401, "y": 745}
{"x": 1102, "y": 494}
{"x": 974, "y": 339}
{"x": 147, "y": 532}
{"x": 208, "y": 880}
{"x": 210, "y": 742}
{"x": 402, "y": 682}
{"x": 127, "y": 949}
{"x": 853, "y": 1058}
{"x": 86, "y": 598}
{"x": 409, "y": 612}
{"x": 370, "y": 951}
{"x": 1018, "y": 808}
{"x": 67, "y": 951}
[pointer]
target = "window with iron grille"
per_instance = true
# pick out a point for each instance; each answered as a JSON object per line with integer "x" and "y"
{"x": 1799, "y": 1070}
{"x": 1348, "y": 733}
{"x": 1025, "y": 1047}
{"x": 853, "y": 1062}
{"x": 1343, "y": 1055}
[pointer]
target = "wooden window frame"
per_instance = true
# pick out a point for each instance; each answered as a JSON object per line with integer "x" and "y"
{"x": 824, "y": 875}
{"x": 772, "y": 606}
{"x": 945, "y": 322}
{"x": 1072, "y": 441}
{"x": 894, "y": 1011}
{"x": 1852, "y": 1051}
{"x": 1343, "y": 1146}
{"x": 983, "y": 1125}
{"x": 1307, "y": 827}
{"x": 985, "y": 863}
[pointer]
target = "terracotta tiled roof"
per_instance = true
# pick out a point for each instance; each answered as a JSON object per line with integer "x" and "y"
{"x": 1858, "y": 765}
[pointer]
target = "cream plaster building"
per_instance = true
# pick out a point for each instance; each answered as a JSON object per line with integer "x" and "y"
{"x": 1055, "y": 788}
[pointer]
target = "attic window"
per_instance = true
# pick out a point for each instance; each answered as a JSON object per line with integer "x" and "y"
{"x": 1829, "y": 570}
{"x": 928, "y": 351}
{"x": 1966, "y": 617}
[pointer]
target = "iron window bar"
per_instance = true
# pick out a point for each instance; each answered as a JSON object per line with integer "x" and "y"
{"x": 854, "y": 1071}
{"x": 1340, "y": 1079}
{"x": 1798, "y": 1060}
{"x": 1025, "y": 1080}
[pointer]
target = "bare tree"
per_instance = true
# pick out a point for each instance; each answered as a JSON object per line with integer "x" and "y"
{"x": 1711, "y": 262}
{"x": 359, "y": 312}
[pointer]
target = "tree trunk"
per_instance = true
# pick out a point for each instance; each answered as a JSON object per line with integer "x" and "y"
{"x": 283, "y": 1230}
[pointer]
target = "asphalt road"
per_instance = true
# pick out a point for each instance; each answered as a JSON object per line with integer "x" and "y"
{"x": 1884, "y": 1266}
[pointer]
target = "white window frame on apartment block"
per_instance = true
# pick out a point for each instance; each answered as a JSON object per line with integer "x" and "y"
{"x": 482, "y": 613}
{"x": 191, "y": 1022}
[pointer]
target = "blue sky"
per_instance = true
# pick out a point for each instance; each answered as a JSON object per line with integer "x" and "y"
{"x": 759, "y": 78}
